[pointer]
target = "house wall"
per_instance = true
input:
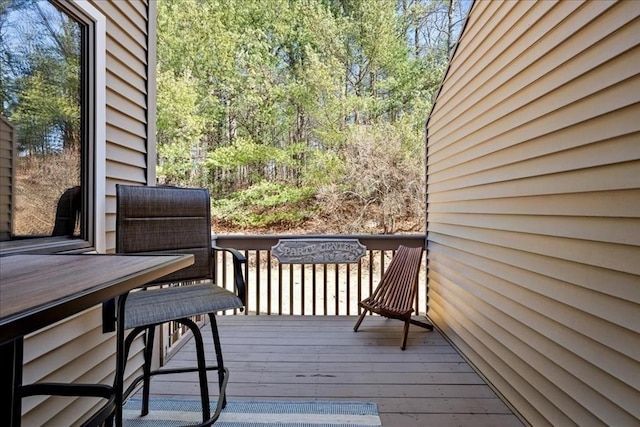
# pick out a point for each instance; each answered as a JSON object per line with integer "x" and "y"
{"x": 76, "y": 349}
{"x": 7, "y": 153}
{"x": 534, "y": 207}
{"x": 130, "y": 118}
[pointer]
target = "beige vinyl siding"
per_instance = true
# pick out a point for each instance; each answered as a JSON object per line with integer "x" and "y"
{"x": 127, "y": 97}
{"x": 534, "y": 206}
{"x": 76, "y": 349}
{"x": 7, "y": 159}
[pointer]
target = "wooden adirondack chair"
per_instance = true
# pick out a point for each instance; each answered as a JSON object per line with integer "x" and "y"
{"x": 395, "y": 294}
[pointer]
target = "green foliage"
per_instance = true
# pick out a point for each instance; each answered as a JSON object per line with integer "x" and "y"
{"x": 174, "y": 163}
{"x": 244, "y": 152}
{"x": 40, "y": 76}
{"x": 179, "y": 129}
{"x": 324, "y": 167}
{"x": 288, "y": 91}
{"x": 261, "y": 205}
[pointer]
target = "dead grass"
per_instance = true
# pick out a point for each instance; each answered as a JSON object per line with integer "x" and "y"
{"x": 40, "y": 181}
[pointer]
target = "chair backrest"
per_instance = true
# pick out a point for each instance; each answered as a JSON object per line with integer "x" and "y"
{"x": 166, "y": 220}
{"x": 397, "y": 289}
{"x": 67, "y": 212}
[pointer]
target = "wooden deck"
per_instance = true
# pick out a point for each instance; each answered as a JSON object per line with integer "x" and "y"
{"x": 321, "y": 358}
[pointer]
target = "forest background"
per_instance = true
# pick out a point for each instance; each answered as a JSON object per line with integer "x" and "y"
{"x": 302, "y": 116}
{"x": 299, "y": 116}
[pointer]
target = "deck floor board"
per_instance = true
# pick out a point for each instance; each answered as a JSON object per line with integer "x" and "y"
{"x": 321, "y": 358}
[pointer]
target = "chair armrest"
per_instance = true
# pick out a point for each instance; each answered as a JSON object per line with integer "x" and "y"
{"x": 237, "y": 255}
{"x": 238, "y": 276}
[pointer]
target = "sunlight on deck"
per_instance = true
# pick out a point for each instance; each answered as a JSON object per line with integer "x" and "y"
{"x": 321, "y": 358}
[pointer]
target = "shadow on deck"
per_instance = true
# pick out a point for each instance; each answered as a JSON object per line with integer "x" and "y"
{"x": 321, "y": 358}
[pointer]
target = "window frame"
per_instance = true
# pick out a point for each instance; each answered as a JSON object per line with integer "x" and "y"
{"x": 93, "y": 128}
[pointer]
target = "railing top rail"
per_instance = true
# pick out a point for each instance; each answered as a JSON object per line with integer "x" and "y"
{"x": 266, "y": 241}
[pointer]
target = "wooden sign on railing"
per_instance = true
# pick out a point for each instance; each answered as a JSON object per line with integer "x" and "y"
{"x": 318, "y": 251}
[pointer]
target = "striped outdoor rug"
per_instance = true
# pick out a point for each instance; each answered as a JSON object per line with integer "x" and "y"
{"x": 249, "y": 413}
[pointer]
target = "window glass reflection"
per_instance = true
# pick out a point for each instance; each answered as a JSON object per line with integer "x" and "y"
{"x": 40, "y": 90}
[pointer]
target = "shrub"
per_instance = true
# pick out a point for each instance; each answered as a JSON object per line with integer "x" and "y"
{"x": 265, "y": 204}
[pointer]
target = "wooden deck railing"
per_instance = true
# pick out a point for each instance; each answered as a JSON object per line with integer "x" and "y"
{"x": 275, "y": 288}
{"x": 314, "y": 289}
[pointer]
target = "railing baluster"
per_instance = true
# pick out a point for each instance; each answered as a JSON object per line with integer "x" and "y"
{"x": 291, "y": 290}
{"x": 382, "y": 254}
{"x": 324, "y": 279}
{"x": 348, "y": 290}
{"x": 337, "y": 288}
{"x": 258, "y": 282}
{"x": 370, "y": 273}
{"x": 314, "y": 295}
{"x": 359, "y": 289}
{"x": 269, "y": 282}
{"x": 224, "y": 282}
{"x": 280, "y": 288}
{"x": 246, "y": 274}
{"x": 302, "y": 290}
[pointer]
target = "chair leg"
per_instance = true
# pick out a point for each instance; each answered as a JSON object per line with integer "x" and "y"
{"x": 121, "y": 361}
{"x": 360, "y": 319}
{"x": 123, "y": 346}
{"x": 202, "y": 368}
{"x": 406, "y": 332}
{"x": 219, "y": 359}
{"x": 148, "y": 353}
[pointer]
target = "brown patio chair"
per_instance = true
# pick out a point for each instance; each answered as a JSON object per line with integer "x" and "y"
{"x": 172, "y": 220}
{"x": 395, "y": 294}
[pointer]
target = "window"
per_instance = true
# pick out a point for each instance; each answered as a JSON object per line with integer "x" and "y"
{"x": 49, "y": 82}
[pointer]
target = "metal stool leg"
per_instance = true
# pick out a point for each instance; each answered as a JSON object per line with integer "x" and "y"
{"x": 202, "y": 368}
{"x": 148, "y": 353}
{"x": 219, "y": 359}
